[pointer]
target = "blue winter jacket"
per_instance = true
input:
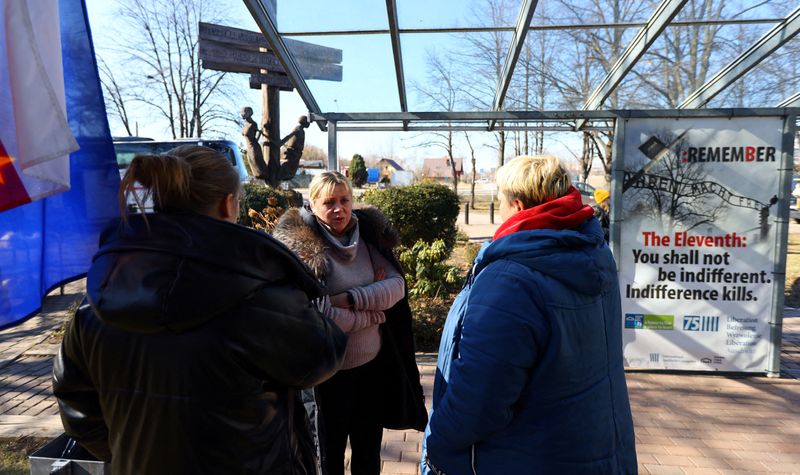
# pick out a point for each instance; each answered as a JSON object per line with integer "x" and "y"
{"x": 530, "y": 377}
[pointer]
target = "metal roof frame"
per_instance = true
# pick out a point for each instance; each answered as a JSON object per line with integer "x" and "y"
{"x": 588, "y": 118}
{"x": 792, "y": 101}
{"x": 549, "y": 116}
{"x": 560, "y": 27}
{"x": 661, "y": 18}
{"x": 524, "y": 18}
{"x": 772, "y": 40}
{"x": 265, "y": 23}
{"x": 391, "y": 12}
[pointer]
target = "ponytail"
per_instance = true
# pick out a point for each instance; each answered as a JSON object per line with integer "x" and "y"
{"x": 188, "y": 178}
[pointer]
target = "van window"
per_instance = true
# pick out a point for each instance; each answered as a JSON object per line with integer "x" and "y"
{"x": 127, "y": 150}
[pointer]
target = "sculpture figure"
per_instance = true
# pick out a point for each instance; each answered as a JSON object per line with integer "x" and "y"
{"x": 254, "y": 155}
{"x": 295, "y": 143}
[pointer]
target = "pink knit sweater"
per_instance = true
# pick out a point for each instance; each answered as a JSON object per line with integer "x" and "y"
{"x": 352, "y": 267}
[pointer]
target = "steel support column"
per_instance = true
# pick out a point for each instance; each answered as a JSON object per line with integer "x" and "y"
{"x": 660, "y": 19}
{"x": 781, "y": 239}
{"x": 333, "y": 156}
{"x": 772, "y": 40}
{"x": 515, "y": 47}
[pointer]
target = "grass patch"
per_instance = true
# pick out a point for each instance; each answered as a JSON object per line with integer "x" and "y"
{"x": 57, "y": 335}
{"x": 14, "y": 454}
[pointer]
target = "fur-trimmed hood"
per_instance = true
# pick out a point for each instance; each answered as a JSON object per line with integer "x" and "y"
{"x": 299, "y": 230}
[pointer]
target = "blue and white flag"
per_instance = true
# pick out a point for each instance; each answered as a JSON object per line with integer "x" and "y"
{"x": 50, "y": 104}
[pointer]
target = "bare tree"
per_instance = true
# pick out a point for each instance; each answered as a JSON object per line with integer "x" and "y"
{"x": 595, "y": 52}
{"x": 484, "y": 57}
{"x": 443, "y": 92}
{"x": 160, "y": 55}
{"x": 312, "y": 153}
{"x": 684, "y": 58}
{"x": 474, "y": 171}
{"x": 116, "y": 96}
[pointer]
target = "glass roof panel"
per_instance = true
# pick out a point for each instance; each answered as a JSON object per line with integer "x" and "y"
{"x": 668, "y": 73}
{"x": 456, "y": 13}
{"x": 368, "y": 80}
{"x": 558, "y": 69}
{"x": 453, "y": 71}
{"x": 327, "y": 15}
{"x": 734, "y": 9}
{"x": 768, "y": 84}
{"x": 560, "y": 12}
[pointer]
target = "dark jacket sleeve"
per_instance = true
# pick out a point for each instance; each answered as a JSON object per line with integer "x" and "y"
{"x": 289, "y": 340}
{"x": 78, "y": 400}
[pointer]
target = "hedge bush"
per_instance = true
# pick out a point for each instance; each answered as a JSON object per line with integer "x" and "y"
{"x": 422, "y": 212}
{"x": 260, "y": 197}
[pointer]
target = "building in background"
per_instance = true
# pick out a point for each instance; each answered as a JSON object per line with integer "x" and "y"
{"x": 439, "y": 169}
{"x": 387, "y": 167}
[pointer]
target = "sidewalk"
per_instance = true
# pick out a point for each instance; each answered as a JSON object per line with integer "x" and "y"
{"x": 27, "y": 406}
{"x": 480, "y": 227}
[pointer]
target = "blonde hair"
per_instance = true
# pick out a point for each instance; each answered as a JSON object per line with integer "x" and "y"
{"x": 533, "y": 179}
{"x": 324, "y": 183}
{"x": 186, "y": 178}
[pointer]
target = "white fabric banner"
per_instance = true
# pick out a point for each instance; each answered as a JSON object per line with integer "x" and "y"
{"x": 33, "y": 126}
{"x": 698, "y": 242}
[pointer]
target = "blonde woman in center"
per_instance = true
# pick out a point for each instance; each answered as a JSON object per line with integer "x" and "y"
{"x": 351, "y": 253}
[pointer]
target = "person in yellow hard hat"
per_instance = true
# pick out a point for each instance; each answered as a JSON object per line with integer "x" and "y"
{"x": 602, "y": 210}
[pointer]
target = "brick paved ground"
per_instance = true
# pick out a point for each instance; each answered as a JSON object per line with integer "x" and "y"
{"x": 685, "y": 423}
{"x": 27, "y": 406}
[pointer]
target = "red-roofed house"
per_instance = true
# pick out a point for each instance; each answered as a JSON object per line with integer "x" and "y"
{"x": 439, "y": 169}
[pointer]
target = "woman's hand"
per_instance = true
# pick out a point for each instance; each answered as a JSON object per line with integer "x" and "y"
{"x": 380, "y": 274}
{"x": 341, "y": 300}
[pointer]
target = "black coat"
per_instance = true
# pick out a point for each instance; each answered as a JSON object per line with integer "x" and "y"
{"x": 402, "y": 396}
{"x": 188, "y": 358}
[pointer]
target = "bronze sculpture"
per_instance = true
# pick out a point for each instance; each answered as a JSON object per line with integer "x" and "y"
{"x": 295, "y": 143}
{"x": 254, "y": 155}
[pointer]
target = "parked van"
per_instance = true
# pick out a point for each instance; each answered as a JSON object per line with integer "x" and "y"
{"x": 128, "y": 147}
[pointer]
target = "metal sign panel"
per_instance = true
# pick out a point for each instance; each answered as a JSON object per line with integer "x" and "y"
{"x": 222, "y": 54}
{"x": 698, "y": 241}
{"x": 223, "y": 57}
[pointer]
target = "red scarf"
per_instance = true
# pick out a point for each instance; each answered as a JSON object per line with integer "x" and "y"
{"x": 566, "y": 212}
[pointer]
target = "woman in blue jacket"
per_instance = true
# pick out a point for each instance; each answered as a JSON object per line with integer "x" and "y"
{"x": 530, "y": 377}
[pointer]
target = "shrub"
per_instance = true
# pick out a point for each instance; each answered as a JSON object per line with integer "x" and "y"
{"x": 358, "y": 171}
{"x": 427, "y": 273}
{"x": 425, "y": 211}
{"x": 267, "y": 205}
{"x": 429, "y": 316}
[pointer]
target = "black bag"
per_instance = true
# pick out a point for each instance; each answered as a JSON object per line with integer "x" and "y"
{"x": 401, "y": 391}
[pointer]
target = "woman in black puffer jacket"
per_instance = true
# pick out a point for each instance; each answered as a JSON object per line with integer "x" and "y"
{"x": 197, "y": 334}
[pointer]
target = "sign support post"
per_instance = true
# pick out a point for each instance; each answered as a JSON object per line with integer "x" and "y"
{"x": 782, "y": 236}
